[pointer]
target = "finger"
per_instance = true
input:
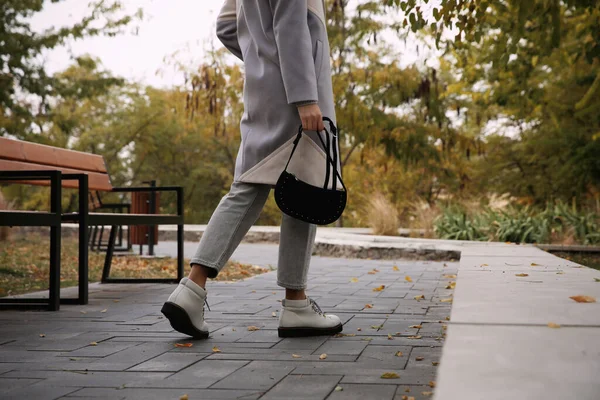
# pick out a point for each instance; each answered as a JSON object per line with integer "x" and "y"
{"x": 321, "y": 124}
{"x": 311, "y": 124}
{"x": 305, "y": 123}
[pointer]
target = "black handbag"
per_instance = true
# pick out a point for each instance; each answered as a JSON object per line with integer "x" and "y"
{"x": 308, "y": 203}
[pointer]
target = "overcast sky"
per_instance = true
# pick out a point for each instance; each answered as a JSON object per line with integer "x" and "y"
{"x": 169, "y": 26}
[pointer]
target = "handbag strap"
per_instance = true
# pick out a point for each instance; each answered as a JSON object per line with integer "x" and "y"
{"x": 329, "y": 161}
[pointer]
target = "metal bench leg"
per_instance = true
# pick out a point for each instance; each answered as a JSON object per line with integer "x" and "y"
{"x": 109, "y": 254}
{"x": 94, "y": 233}
{"x": 55, "y": 235}
{"x": 83, "y": 240}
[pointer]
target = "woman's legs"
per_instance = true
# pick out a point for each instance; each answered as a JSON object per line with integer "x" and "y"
{"x": 233, "y": 217}
{"x": 295, "y": 249}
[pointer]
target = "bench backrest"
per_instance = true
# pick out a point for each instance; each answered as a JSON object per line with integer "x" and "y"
{"x": 16, "y": 155}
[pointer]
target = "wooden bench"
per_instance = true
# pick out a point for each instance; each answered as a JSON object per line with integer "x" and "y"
{"x": 35, "y": 164}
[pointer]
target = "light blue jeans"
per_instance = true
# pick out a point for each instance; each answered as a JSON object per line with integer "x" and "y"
{"x": 235, "y": 214}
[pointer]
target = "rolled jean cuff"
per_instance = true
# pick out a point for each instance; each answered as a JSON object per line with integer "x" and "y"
{"x": 214, "y": 268}
{"x": 291, "y": 286}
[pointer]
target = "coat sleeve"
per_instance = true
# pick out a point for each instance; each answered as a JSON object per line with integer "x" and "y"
{"x": 294, "y": 45}
{"x": 227, "y": 28}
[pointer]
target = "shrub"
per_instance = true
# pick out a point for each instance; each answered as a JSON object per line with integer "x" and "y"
{"x": 455, "y": 224}
{"x": 382, "y": 216}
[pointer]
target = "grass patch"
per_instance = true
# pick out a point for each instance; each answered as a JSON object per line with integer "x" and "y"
{"x": 591, "y": 260}
{"x": 24, "y": 266}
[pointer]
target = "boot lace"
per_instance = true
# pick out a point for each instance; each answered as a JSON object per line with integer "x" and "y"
{"x": 316, "y": 307}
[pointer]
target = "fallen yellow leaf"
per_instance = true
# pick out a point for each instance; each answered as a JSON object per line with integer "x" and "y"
{"x": 184, "y": 344}
{"x": 435, "y": 363}
{"x": 252, "y": 328}
{"x": 408, "y": 278}
{"x": 536, "y": 265}
{"x": 521, "y": 274}
{"x": 42, "y": 335}
{"x": 416, "y": 326}
{"x": 553, "y": 325}
{"x": 184, "y": 397}
{"x": 216, "y": 350}
{"x": 354, "y": 280}
{"x": 323, "y": 356}
{"x": 359, "y": 329}
{"x": 376, "y": 326}
{"x": 404, "y": 397}
{"x": 419, "y": 358}
{"x": 415, "y": 337}
{"x": 484, "y": 265}
{"x": 398, "y": 354}
{"x": 368, "y": 305}
{"x": 452, "y": 276}
{"x": 94, "y": 344}
{"x": 395, "y": 268}
{"x": 296, "y": 356}
{"x": 560, "y": 273}
{"x": 103, "y": 311}
{"x": 379, "y": 288}
{"x": 83, "y": 312}
{"x": 583, "y": 299}
{"x": 390, "y": 336}
{"x": 431, "y": 384}
{"x": 446, "y": 300}
{"x": 427, "y": 394}
{"x": 115, "y": 301}
{"x": 371, "y": 272}
{"x": 451, "y": 285}
{"x": 420, "y": 297}
{"x": 406, "y": 390}
{"x": 273, "y": 314}
{"x": 339, "y": 389}
{"x": 597, "y": 279}
{"x": 390, "y": 375}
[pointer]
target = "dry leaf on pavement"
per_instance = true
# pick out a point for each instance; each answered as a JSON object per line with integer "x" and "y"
{"x": 521, "y": 274}
{"x": 408, "y": 278}
{"x": 419, "y": 358}
{"x": 432, "y": 384}
{"x": 296, "y": 356}
{"x": 420, "y": 297}
{"x": 446, "y": 300}
{"x": 354, "y": 280}
{"x": 583, "y": 299}
{"x": 390, "y": 336}
{"x": 484, "y": 265}
{"x": 379, "y": 288}
{"x": 395, "y": 268}
{"x": 359, "y": 329}
{"x": 184, "y": 397}
{"x": 368, "y": 305}
{"x": 451, "y": 285}
{"x": 323, "y": 356}
{"x": 597, "y": 279}
{"x": 426, "y": 393}
{"x": 553, "y": 325}
{"x": 435, "y": 363}
{"x": 416, "y": 326}
{"x": 42, "y": 335}
{"x": 415, "y": 337}
{"x": 94, "y": 344}
{"x": 105, "y": 310}
{"x": 390, "y": 375}
{"x": 398, "y": 354}
{"x": 450, "y": 276}
{"x": 252, "y": 328}
{"x": 536, "y": 265}
{"x": 216, "y": 350}
{"x": 339, "y": 389}
{"x": 184, "y": 344}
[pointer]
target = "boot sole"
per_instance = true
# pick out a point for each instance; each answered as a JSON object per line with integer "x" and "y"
{"x": 181, "y": 322}
{"x": 304, "y": 332}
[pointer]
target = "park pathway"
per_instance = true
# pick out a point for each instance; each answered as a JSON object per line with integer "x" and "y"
{"x": 120, "y": 347}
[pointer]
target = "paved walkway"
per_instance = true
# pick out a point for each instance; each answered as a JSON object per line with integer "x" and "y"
{"x": 120, "y": 347}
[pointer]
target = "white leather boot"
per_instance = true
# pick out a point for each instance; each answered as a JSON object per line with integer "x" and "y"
{"x": 304, "y": 318}
{"x": 185, "y": 309}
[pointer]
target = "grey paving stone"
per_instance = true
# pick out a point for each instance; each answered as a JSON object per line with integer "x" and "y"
{"x": 200, "y": 375}
{"x": 169, "y": 362}
{"x": 340, "y": 347}
{"x": 130, "y": 357}
{"x": 89, "y": 378}
{"x": 163, "y": 394}
{"x": 406, "y": 378}
{"x": 386, "y": 356}
{"x": 258, "y": 375}
{"x": 7, "y": 384}
{"x": 363, "y": 392}
{"x": 102, "y": 349}
{"x": 309, "y": 343}
{"x": 303, "y": 387}
{"x": 39, "y": 391}
{"x": 281, "y": 356}
{"x": 418, "y": 392}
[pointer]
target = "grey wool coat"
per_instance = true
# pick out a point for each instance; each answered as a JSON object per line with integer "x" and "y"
{"x": 285, "y": 50}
